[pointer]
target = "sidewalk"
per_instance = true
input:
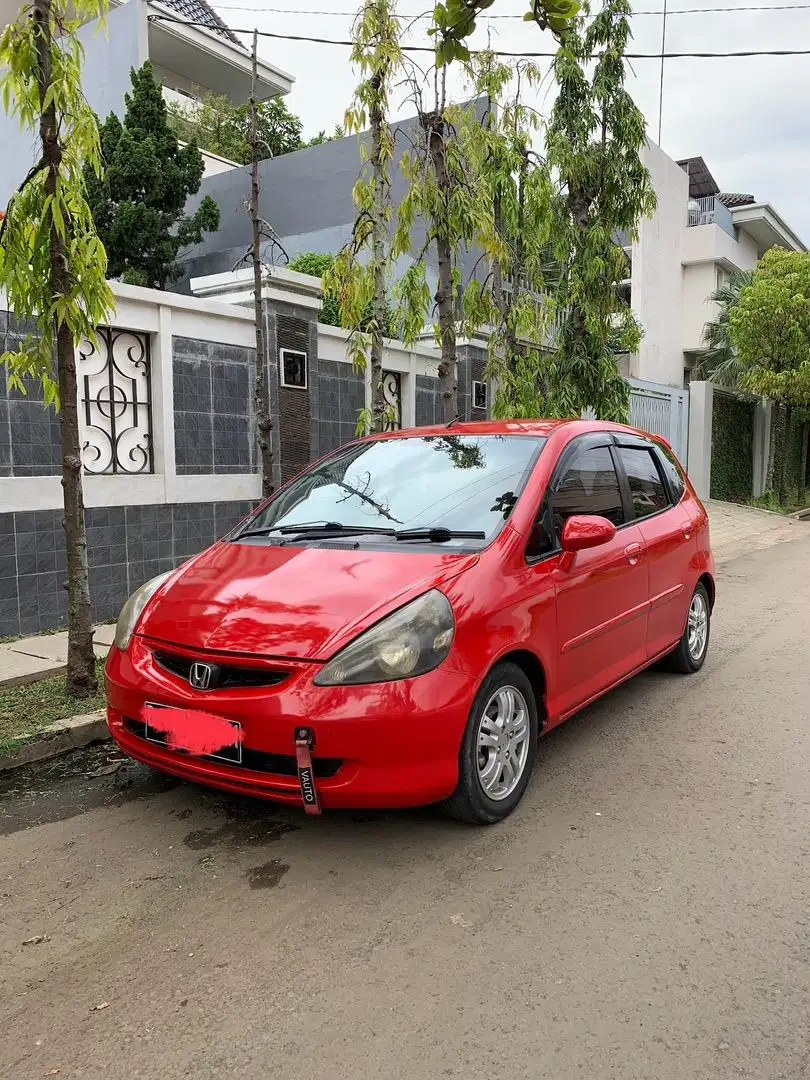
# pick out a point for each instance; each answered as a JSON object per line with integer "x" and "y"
{"x": 736, "y": 530}
{"x": 44, "y": 656}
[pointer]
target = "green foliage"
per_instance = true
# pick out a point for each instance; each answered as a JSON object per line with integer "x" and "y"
{"x": 719, "y": 362}
{"x": 33, "y": 214}
{"x": 359, "y": 277}
{"x": 455, "y": 20}
{"x": 732, "y": 448}
{"x": 219, "y": 126}
{"x": 338, "y": 132}
{"x": 319, "y": 265}
{"x": 594, "y": 140}
{"x": 138, "y": 204}
{"x": 770, "y": 328}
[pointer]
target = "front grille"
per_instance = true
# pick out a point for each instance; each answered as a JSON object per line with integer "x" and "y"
{"x": 255, "y": 760}
{"x": 228, "y": 676}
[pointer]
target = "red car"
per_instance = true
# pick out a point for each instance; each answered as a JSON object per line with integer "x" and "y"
{"x": 399, "y": 623}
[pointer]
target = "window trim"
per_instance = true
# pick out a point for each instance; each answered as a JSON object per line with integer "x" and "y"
{"x": 480, "y": 382}
{"x": 642, "y": 444}
{"x": 282, "y": 354}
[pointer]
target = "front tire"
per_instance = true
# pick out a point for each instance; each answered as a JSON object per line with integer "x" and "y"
{"x": 499, "y": 749}
{"x": 690, "y": 654}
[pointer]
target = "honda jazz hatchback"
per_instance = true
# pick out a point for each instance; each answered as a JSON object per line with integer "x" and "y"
{"x": 401, "y": 622}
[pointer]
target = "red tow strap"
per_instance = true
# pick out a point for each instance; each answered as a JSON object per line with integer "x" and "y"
{"x": 304, "y": 744}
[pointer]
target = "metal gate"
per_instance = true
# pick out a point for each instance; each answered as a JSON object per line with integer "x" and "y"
{"x": 661, "y": 410}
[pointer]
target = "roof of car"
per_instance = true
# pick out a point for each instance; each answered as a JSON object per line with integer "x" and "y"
{"x": 509, "y": 427}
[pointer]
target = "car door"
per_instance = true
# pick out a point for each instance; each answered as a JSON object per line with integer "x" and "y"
{"x": 668, "y": 533}
{"x": 601, "y": 594}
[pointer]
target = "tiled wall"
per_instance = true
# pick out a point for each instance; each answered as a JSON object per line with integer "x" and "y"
{"x": 213, "y": 397}
{"x": 29, "y": 432}
{"x": 342, "y": 396}
{"x": 125, "y": 546}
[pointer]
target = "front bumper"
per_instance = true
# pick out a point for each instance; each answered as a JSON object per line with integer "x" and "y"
{"x": 383, "y": 746}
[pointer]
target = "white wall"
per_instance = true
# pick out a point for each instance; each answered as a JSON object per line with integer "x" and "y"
{"x": 699, "y": 282}
{"x": 656, "y": 276}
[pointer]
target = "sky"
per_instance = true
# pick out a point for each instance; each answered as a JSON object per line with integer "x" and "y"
{"x": 747, "y": 117}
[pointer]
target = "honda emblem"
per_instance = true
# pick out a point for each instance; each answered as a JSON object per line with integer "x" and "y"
{"x": 200, "y": 676}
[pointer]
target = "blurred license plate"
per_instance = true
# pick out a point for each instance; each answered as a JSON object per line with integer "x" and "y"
{"x": 231, "y": 754}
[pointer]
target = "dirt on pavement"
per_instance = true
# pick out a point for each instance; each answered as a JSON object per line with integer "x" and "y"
{"x": 643, "y": 916}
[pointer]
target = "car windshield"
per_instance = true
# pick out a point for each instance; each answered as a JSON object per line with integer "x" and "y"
{"x": 453, "y": 482}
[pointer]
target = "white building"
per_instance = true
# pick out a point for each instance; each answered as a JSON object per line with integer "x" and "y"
{"x": 194, "y": 54}
{"x": 696, "y": 238}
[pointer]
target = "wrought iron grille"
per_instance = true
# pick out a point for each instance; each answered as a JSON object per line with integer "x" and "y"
{"x": 116, "y": 401}
{"x": 392, "y": 396}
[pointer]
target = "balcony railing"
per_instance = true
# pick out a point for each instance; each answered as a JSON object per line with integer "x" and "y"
{"x": 709, "y": 210}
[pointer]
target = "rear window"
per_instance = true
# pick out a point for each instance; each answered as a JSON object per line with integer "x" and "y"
{"x": 672, "y": 471}
{"x": 466, "y": 482}
{"x": 647, "y": 489}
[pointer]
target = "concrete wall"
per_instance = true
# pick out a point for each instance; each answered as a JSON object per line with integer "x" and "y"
{"x": 656, "y": 275}
{"x": 107, "y": 63}
{"x": 699, "y": 282}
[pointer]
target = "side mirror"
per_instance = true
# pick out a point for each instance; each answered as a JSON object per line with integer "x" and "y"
{"x": 583, "y": 531}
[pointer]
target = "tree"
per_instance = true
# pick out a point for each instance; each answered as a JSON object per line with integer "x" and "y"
{"x": 445, "y": 196}
{"x": 52, "y": 263}
{"x": 719, "y": 362}
{"x": 517, "y": 184}
{"x": 138, "y": 204}
{"x": 221, "y": 127}
{"x": 455, "y": 21}
{"x": 770, "y": 330}
{"x": 319, "y": 265}
{"x": 338, "y": 132}
{"x": 359, "y": 276}
{"x": 594, "y": 140}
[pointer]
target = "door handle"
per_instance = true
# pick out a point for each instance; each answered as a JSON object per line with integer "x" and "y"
{"x": 633, "y": 553}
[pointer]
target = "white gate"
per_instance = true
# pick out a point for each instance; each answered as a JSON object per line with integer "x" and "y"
{"x": 661, "y": 410}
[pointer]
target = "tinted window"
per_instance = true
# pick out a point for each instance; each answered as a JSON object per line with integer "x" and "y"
{"x": 671, "y": 471}
{"x": 590, "y": 486}
{"x": 646, "y": 486}
{"x": 455, "y": 481}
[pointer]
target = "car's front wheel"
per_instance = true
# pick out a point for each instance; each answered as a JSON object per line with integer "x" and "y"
{"x": 499, "y": 748}
{"x": 688, "y": 657}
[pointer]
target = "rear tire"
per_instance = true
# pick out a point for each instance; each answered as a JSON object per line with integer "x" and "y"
{"x": 690, "y": 653}
{"x": 499, "y": 749}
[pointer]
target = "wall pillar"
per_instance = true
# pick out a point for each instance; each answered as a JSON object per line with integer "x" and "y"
{"x": 701, "y": 401}
{"x": 763, "y": 418}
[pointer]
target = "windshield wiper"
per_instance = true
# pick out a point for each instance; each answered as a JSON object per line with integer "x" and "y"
{"x": 438, "y": 534}
{"x": 319, "y": 528}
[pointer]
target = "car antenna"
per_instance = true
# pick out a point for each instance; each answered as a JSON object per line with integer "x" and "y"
{"x": 453, "y": 421}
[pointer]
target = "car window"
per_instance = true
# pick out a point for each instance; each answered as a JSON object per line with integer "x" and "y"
{"x": 589, "y": 486}
{"x": 465, "y": 482}
{"x": 647, "y": 489}
{"x": 672, "y": 472}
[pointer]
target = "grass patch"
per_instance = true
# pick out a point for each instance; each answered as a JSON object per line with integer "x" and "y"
{"x": 24, "y": 710}
{"x": 770, "y": 501}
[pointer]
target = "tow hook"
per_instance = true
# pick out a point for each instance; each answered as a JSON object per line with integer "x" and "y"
{"x": 304, "y": 745}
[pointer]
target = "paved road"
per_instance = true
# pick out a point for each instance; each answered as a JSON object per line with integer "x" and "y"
{"x": 644, "y": 916}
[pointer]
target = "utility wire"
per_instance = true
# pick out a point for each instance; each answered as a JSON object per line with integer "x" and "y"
{"x": 495, "y": 52}
{"x": 429, "y": 15}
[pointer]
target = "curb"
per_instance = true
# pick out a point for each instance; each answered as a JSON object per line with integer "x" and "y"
{"x": 58, "y": 738}
{"x": 32, "y": 677}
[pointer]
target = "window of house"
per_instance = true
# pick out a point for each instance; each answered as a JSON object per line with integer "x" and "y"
{"x": 646, "y": 486}
{"x": 293, "y": 368}
{"x": 590, "y": 486}
{"x": 479, "y": 395}
{"x": 722, "y": 277}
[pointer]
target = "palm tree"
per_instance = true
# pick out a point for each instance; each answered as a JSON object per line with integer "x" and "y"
{"x": 719, "y": 362}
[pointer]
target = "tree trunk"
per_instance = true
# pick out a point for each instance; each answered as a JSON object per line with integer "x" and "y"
{"x": 435, "y": 125}
{"x": 264, "y": 421}
{"x": 378, "y": 257}
{"x": 81, "y": 661}
{"x": 803, "y": 465}
{"x": 771, "y": 447}
{"x": 783, "y": 471}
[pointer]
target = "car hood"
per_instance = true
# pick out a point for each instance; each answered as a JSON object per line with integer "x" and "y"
{"x": 302, "y": 603}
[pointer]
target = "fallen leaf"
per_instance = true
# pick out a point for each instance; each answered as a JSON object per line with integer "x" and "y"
{"x": 98, "y": 1008}
{"x": 459, "y": 920}
{"x": 37, "y": 939}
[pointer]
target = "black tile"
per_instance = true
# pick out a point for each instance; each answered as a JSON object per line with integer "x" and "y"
{"x": 193, "y": 436}
{"x": 9, "y": 617}
{"x": 192, "y": 386}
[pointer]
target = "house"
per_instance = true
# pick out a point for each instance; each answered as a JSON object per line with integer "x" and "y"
{"x": 696, "y": 238}
{"x": 188, "y": 59}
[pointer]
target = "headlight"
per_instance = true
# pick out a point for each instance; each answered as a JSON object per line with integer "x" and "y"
{"x": 133, "y": 609}
{"x": 410, "y": 642}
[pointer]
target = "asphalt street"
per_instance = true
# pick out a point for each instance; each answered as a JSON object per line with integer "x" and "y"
{"x": 645, "y": 915}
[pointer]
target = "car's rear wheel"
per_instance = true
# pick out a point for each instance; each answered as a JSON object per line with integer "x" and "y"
{"x": 499, "y": 749}
{"x": 690, "y": 654}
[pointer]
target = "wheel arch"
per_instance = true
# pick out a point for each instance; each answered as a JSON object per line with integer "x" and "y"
{"x": 532, "y": 667}
{"x": 707, "y": 581}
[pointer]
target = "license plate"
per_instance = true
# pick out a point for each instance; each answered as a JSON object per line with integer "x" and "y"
{"x": 231, "y": 754}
